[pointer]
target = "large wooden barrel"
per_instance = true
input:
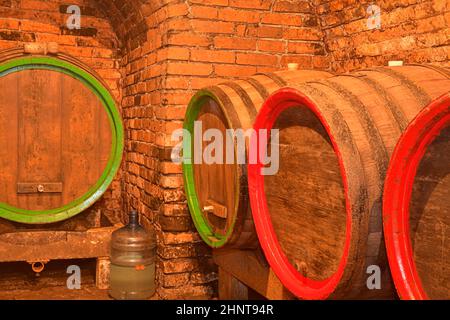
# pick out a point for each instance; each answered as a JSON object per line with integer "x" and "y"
{"x": 416, "y": 206}
{"x": 61, "y": 139}
{"x": 319, "y": 219}
{"x": 217, "y": 192}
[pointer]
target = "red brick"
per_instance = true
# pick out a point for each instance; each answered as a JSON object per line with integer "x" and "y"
{"x": 241, "y": 30}
{"x": 188, "y": 39}
{"x": 198, "y": 69}
{"x": 179, "y": 265}
{"x": 171, "y": 181}
{"x": 177, "y": 10}
{"x": 271, "y": 45}
{"x": 251, "y": 4}
{"x": 294, "y": 6}
{"x": 170, "y": 167}
{"x": 180, "y": 238}
{"x": 207, "y": 26}
{"x": 211, "y": 2}
{"x": 181, "y": 24}
{"x": 234, "y": 43}
{"x": 213, "y": 55}
{"x": 199, "y": 83}
{"x": 256, "y": 59}
{"x": 39, "y": 5}
{"x": 175, "y": 280}
{"x": 236, "y": 15}
{"x": 173, "y": 53}
{"x": 38, "y": 26}
{"x": 302, "y": 34}
{"x": 306, "y": 48}
{"x": 282, "y": 19}
{"x": 204, "y": 12}
{"x": 266, "y": 32}
{"x": 234, "y": 70}
{"x": 175, "y": 98}
{"x": 176, "y": 83}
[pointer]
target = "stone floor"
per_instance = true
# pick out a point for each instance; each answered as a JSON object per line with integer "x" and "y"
{"x": 19, "y": 282}
{"x": 56, "y": 293}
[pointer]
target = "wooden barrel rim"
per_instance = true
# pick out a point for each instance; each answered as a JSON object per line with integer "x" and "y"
{"x": 299, "y": 285}
{"x": 89, "y": 79}
{"x": 398, "y": 190}
{"x": 213, "y": 239}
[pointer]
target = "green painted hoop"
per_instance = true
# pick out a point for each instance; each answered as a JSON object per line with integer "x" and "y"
{"x": 95, "y": 192}
{"x": 206, "y": 232}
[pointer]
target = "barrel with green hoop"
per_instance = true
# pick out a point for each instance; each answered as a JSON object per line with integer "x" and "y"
{"x": 216, "y": 191}
{"x": 61, "y": 141}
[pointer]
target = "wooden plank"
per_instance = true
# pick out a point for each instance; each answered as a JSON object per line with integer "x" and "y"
{"x": 102, "y": 272}
{"x": 39, "y": 187}
{"x": 215, "y": 182}
{"x": 81, "y": 138}
{"x": 39, "y": 138}
{"x": 55, "y": 245}
{"x": 231, "y": 288}
{"x": 216, "y": 208}
{"x": 251, "y": 268}
{"x": 8, "y": 138}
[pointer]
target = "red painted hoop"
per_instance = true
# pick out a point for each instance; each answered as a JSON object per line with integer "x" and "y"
{"x": 398, "y": 190}
{"x": 299, "y": 285}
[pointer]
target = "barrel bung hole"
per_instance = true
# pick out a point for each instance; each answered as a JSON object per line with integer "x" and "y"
{"x": 430, "y": 218}
{"x": 306, "y": 198}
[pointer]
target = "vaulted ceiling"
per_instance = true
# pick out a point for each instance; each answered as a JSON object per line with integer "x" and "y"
{"x": 127, "y": 17}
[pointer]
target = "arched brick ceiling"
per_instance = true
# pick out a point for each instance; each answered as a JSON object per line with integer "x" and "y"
{"x": 127, "y": 18}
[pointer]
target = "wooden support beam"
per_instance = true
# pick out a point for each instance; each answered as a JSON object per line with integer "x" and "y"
{"x": 248, "y": 268}
{"x": 102, "y": 273}
{"x": 231, "y": 288}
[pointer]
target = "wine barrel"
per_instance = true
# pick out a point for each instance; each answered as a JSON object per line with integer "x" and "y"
{"x": 217, "y": 192}
{"x": 319, "y": 219}
{"x": 61, "y": 140}
{"x": 416, "y": 206}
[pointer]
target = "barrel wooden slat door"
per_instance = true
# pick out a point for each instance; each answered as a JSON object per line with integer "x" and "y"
{"x": 61, "y": 142}
{"x": 319, "y": 219}
{"x": 39, "y": 136}
{"x": 214, "y": 183}
{"x": 217, "y": 188}
{"x": 8, "y": 141}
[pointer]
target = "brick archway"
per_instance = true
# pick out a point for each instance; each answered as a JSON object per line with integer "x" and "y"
{"x": 128, "y": 19}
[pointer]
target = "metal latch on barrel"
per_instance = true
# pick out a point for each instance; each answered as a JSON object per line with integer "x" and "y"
{"x": 44, "y": 187}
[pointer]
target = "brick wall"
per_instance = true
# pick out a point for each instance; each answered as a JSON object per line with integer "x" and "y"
{"x": 95, "y": 44}
{"x": 415, "y": 31}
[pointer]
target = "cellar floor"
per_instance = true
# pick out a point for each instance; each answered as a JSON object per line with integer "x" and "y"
{"x": 56, "y": 293}
{"x": 19, "y": 282}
